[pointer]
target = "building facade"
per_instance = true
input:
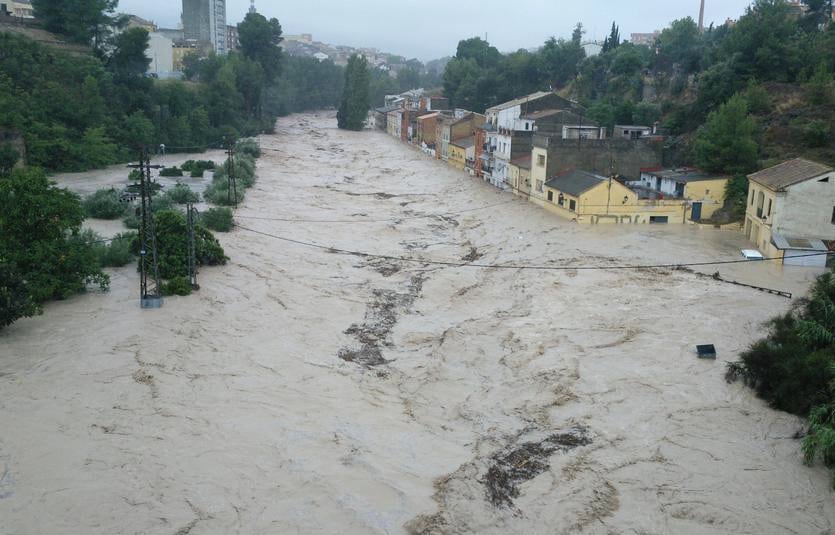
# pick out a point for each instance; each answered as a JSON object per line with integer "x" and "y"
{"x": 788, "y": 203}
{"x": 704, "y": 191}
{"x": 204, "y": 21}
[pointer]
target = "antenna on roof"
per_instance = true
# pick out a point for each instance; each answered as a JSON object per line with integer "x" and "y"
{"x": 252, "y": 6}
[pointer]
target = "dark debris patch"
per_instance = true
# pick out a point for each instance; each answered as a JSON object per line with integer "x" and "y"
{"x": 524, "y": 462}
{"x": 472, "y": 256}
{"x": 381, "y": 316}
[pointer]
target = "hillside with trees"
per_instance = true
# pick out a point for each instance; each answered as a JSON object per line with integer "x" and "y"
{"x": 772, "y": 70}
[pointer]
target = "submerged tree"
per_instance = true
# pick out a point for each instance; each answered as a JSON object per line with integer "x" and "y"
{"x": 353, "y": 108}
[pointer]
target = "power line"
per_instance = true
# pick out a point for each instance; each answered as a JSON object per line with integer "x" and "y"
{"x": 458, "y": 263}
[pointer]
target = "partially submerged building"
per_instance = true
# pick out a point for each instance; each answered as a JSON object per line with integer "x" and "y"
{"x": 705, "y": 192}
{"x": 790, "y": 209}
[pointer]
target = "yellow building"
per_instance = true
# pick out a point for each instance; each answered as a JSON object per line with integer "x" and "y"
{"x": 705, "y": 192}
{"x": 519, "y": 176}
{"x": 180, "y": 51}
{"x": 460, "y": 151}
{"x": 588, "y": 198}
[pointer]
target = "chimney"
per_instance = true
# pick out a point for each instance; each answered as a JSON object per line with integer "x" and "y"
{"x": 702, "y": 17}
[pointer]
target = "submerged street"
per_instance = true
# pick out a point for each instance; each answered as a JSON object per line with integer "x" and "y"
{"x": 305, "y": 389}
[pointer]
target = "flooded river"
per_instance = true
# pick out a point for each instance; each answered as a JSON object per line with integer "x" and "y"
{"x": 306, "y": 390}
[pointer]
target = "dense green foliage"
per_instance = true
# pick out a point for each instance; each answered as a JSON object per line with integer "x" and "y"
{"x": 356, "y": 99}
{"x": 218, "y": 192}
{"x": 171, "y": 172}
{"x": 115, "y": 252}
{"x": 172, "y": 249}
{"x": 8, "y": 158}
{"x": 727, "y": 143}
{"x": 182, "y": 194}
{"x": 306, "y": 84}
{"x": 793, "y": 368}
{"x": 217, "y": 219}
{"x": 105, "y": 204}
{"x": 78, "y": 112}
{"x": 40, "y": 250}
{"x": 85, "y": 22}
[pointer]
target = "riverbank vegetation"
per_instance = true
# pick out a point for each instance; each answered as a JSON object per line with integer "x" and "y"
{"x": 793, "y": 367}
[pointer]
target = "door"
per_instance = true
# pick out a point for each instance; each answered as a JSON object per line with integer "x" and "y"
{"x": 696, "y": 214}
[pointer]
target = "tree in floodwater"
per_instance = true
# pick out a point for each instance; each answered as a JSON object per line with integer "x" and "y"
{"x": 41, "y": 255}
{"x": 353, "y": 107}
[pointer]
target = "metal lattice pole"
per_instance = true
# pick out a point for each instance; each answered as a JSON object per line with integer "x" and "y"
{"x": 232, "y": 192}
{"x": 150, "y": 289}
{"x": 191, "y": 217}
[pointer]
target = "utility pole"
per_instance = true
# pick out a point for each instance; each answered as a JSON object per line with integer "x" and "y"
{"x": 232, "y": 191}
{"x": 150, "y": 288}
{"x": 191, "y": 217}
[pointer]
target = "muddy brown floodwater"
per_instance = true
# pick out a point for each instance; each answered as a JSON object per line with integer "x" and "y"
{"x": 307, "y": 391}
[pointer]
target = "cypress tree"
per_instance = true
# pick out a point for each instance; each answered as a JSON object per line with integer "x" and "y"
{"x": 355, "y": 101}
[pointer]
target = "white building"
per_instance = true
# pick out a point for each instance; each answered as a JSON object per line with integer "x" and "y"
{"x": 204, "y": 21}
{"x": 161, "y": 53}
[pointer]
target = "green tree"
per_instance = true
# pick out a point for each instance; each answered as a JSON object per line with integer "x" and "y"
{"x": 613, "y": 40}
{"x": 259, "y": 40}
{"x": 81, "y": 21}
{"x": 727, "y": 143}
{"x": 480, "y": 51}
{"x": 128, "y": 58}
{"x": 37, "y": 225}
{"x": 680, "y": 44}
{"x": 353, "y": 108}
{"x": 8, "y": 158}
{"x": 819, "y": 87}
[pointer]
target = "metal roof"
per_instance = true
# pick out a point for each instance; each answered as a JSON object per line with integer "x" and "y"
{"x": 789, "y": 173}
{"x": 575, "y": 182}
{"x": 684, "y": 175}
{"x": 518, "y": 101}
{"x": 803, "y": 244}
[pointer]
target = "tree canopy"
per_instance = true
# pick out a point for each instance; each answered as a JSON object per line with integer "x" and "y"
{"x": 355, "y": 103}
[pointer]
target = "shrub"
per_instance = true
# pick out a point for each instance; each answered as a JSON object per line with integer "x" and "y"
{"x": 217, "y": 219}
{"x": 171, "y": 172}
{"x": 249, "y": 147}
{"x": 182, "y": 194}
{"x": 819, "y": 88}
{"x": 177, "y": 286}
{"x": 816, "y": 133}
{"x": 105, "y": 204}
{"x": 172, "y": 245}
{"x": 218, "y": 192}
{"x": 793, "y": 367}
{"x": 118, "y": 252}
{"x": 159, "y": 203}
{"x": 196, "y": 173}
{"x": 197, "y": 165}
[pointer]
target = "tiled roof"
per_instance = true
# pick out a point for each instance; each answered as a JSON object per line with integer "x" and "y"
{"x": 518, "y": 101}
{"x": 575, "y": 182}
{"x": 789, "y": 173}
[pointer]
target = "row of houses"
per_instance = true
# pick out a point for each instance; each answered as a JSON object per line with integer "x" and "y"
{"x": 543, "y": 147}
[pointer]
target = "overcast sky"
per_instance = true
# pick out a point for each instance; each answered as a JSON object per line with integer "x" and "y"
{"x": 432, "y": 28}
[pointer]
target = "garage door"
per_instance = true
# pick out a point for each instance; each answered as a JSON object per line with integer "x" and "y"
{"x": 797, "y": 257}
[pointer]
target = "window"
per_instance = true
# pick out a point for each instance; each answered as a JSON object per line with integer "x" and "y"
{"x": 768, "y": 214}
{"x": 760, "y": 203}
{"x": 540, "y": 160}
{"x": 539, "y": 186}
{"x": 527, "y": 126}
{"x": 752, "y": 197}
{"x": 656, "y": 219}
{"x": 550, "y": 196}
{"x": 833, "y": 215}
{"x": 572, "y": 205}
{"x": 707, "y": 192}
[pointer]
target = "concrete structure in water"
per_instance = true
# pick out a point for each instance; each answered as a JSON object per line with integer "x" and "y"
{"x": 791, "y": 207}
{"x": 204, "y": 22}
